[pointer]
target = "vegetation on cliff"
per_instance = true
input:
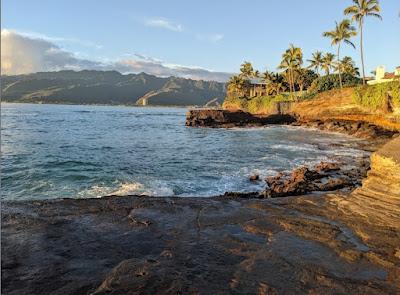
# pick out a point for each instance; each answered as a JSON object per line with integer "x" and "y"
{"x": 376, "y": 96}
{"x": 329, "y": 82}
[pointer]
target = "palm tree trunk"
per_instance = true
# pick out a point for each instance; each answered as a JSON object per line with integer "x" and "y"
{"x": 339, "y": 67}
{"x": 362, "y": 50}
{"x": 292, "y": 79}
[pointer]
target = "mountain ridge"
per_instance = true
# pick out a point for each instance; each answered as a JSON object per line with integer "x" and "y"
{"x": 109, "y": 87}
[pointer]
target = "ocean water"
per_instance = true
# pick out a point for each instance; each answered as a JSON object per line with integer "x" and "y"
{"x": 56, "y": 151}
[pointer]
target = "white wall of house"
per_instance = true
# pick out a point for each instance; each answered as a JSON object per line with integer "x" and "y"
{"x": 380, "y": 74}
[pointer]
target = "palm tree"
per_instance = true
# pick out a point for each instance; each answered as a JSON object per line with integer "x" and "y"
{"x": 343, "y": 32}
{"x": 301, "y": 78}
{"x": 360, "y": 10}
{"x": 316, "y": 61}
{"x": 292, "y": 59}
{"x": 327, "y": 62}
{"x": 275, "y": 88}
{"x": 246, "y": 70}
{"x": 268, "y": 77}
{"x": 236, "y": 85}
{"x": 348, "y": 66}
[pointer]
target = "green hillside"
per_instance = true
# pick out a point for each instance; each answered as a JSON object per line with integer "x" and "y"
{"x": 108, "y": 87}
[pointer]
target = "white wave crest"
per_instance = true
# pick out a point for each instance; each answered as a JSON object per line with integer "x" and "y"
{"x": 128, "y": 189}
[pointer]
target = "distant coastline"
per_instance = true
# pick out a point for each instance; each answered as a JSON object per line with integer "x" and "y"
{"x": 96, "y": 104}
{"x": 109, "y": 88}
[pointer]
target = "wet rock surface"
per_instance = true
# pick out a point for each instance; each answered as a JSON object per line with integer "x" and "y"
{"x": 143, "y": 245}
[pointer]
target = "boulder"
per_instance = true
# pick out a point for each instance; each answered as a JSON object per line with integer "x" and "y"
{"x": 254, "y": 178}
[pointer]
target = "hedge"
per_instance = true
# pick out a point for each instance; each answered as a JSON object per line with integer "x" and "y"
{"x": 374, "y": 96}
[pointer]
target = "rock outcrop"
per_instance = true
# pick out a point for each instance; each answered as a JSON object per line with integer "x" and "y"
{"x": 303, "y": 180}
{"x": 355, "y": 128}
{"x": 217, "y": 118}
{"x": 224, "y": 118}
{"x": 323, "y": 177}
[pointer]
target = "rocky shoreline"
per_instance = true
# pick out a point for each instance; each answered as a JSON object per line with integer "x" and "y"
{"x": 340, "y": 242}
{"x": 227, "y": 119}
{"x": 323, "y": 177}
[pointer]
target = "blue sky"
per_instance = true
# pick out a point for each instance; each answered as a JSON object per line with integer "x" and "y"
{"x": 214, "y": 35}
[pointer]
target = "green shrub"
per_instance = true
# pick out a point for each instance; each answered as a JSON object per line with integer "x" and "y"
{"x": 257, "y": 105}
{"x": 374, "y": 96}
{"x": 329, "y": 82}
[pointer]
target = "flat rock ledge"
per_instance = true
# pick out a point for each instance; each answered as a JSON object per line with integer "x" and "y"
{"x": 317, "y": 244}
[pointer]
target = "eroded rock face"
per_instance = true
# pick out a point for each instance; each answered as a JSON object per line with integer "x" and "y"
{"x": 379, "y": 196}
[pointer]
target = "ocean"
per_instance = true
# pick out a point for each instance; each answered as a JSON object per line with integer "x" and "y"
{"x": 58, "y": 151}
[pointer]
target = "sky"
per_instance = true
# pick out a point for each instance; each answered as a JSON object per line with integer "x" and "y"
{"x": 206, "y": 39}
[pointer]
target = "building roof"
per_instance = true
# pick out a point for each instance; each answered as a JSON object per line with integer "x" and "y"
{"x": 389, "y": 76}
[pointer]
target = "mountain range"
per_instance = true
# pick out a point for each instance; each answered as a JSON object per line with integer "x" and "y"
{"x": 109, "y": 87}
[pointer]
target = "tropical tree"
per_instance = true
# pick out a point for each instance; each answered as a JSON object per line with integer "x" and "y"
{"x": 268, "y": 77}
{"x": 359, "y": 11}
{"x": 348, "y": 66}
{"x": 327, "y": 62}
{"x": 292, "y": 59}
{"x": 316, "y": 61}
{"x": 343, "y": 32}
{"x": 236, "y": 86}
{"x": 275, "y": 88}
{"x": 246, "y": 70}
{"x": 304, "y": 78}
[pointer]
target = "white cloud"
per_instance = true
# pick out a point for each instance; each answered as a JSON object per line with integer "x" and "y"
{"x": 22, "y": 54}
{"x": 164, "y": 23}
{"x": 35, "y": 35}
{"x": 214, "y": 38}
{"x": 159, "y": 68}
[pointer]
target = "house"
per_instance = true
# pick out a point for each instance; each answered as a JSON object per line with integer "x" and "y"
{"x": 381, "y": 76}
{"x": 257, "y": 87}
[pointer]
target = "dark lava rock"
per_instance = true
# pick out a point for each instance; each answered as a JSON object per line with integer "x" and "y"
{"x": 297, "y": 183}
{"x": 333, "y": 184}
{"x": 228, "y": 119}
{"x": 327, "y": 166}
{"x": 255, "y": 177}
{"x": 193, "y": 246}
{"x": 325, "y": 176}
{"x": 248, "y": 195}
